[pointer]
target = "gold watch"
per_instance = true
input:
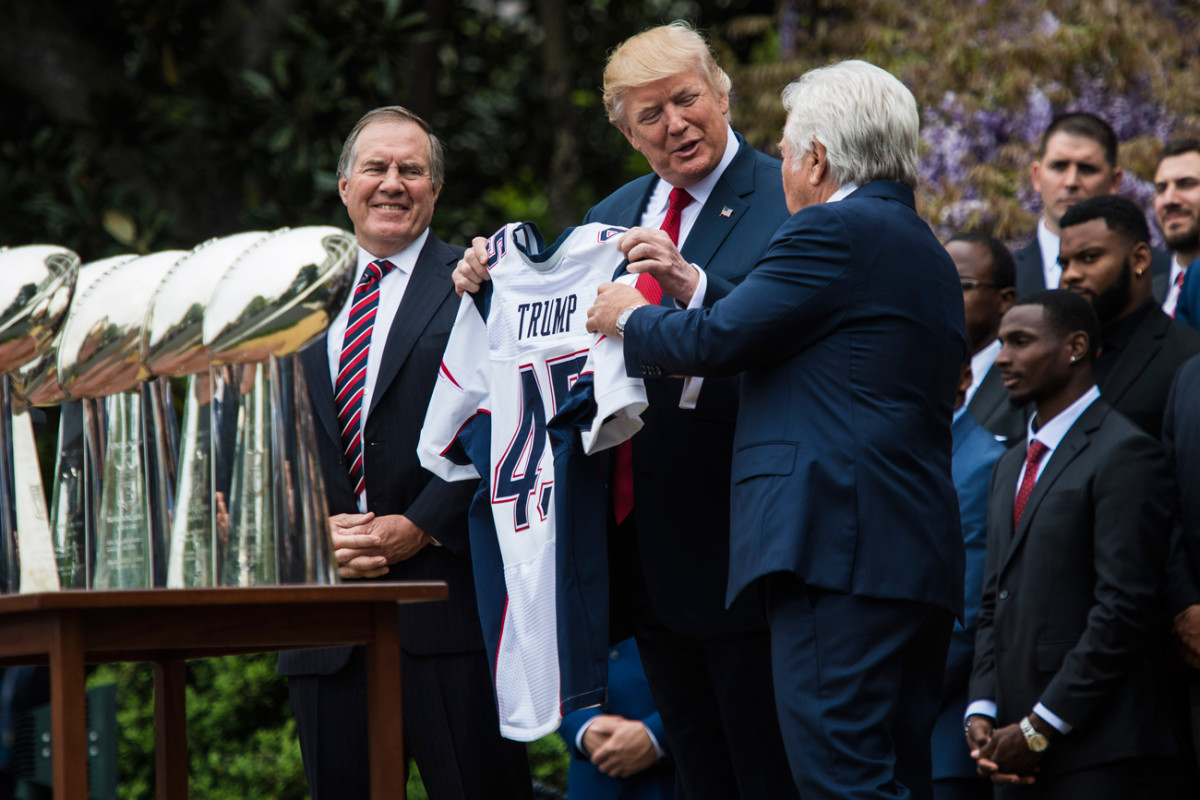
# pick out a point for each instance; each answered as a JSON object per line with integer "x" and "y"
{"x": 1037, "y": 742}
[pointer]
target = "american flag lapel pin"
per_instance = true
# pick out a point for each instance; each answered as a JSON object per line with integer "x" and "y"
{"x": 726, "y": 212}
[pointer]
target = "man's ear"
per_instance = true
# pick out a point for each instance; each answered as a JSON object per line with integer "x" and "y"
{"x": 1140, "y": 258}
{"x": 820, "y": 165}
{"x": 1007, "y": 297}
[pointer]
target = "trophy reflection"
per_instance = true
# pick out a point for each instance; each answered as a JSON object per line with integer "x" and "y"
{"x": 129, "y": 423}
{"x": 172, "y": 346}
{"x": 36, "y": 285}
{"x": 278, "y": 297}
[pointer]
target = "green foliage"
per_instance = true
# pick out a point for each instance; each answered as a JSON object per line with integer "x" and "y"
{"x": 241, "y": 736}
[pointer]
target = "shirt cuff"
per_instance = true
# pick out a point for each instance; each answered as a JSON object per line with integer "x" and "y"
{"x": 986, "y": 708}
{"x": 701, "y": 289}
{"x": 579, "y": 736}
{"x": 654, "y": 741}
{"x": 1055, "y": 721}
{"x": 691, "y": 386}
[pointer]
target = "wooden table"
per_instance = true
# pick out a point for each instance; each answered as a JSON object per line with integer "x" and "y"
{"x": 69, "y": 629}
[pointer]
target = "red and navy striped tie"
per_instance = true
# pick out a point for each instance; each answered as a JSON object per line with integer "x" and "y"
{"x": 352, "y": 368}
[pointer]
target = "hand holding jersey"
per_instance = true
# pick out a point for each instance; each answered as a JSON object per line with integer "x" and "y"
{"x": 647, "y": 250}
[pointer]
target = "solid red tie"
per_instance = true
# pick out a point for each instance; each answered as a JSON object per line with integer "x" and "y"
{"x": 352, "y": 367}
{"x": 1178, "y": 289}
{"x": 1032, "y": 458}
{"x": 649, "y": 287}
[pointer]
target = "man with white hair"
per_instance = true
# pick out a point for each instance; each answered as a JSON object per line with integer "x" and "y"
{"x": 849, "y": 337}
{"x": 709, "y": 667}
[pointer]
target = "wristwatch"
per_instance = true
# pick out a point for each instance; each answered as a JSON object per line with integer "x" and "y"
{"x": 622, "y": 319}
{"x": 1036, "y": 741}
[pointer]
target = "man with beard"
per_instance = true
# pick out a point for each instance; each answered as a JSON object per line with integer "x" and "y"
{"x": 1177, "y": 211}
{"x": 1105, "y": 256}
{"x": 1077, "y": 160}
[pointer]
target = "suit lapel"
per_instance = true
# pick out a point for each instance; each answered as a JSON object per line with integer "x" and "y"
{"x": 1142, "y": 349}
{"x": 315, "y": 361}
{"x": 1075, "y": 442}
{"x": 427, "y": 287}
{"x": 988, "y": 397}
{"x": 723, "y": 209}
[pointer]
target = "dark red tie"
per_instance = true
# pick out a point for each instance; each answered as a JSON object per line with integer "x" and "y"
{"x": 1178, "y": 290}
{"x": 1032, "y": 458}
{"x": 652, "y": 291}
{"x": 352, "y": 367}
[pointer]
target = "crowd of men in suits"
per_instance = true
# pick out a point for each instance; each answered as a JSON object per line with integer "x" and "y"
{"x": 788, "y": 553}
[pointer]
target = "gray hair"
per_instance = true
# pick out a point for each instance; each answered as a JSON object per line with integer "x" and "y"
{"x": 437, "y": 160}
{"x": 866, "y": 119}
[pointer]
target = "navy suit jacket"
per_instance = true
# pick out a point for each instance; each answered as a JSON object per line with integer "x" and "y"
{"x": 1071, "y": 599}
{"x": 975, "y": 453}
{"x": 396, "y": 482}
{"x": 849, "y": 335}
{"x": 1188, "y": 308}
{"x": 1031, "y": 278}
{"x": 681, "y": 458}
{"x": 629, "y": 697}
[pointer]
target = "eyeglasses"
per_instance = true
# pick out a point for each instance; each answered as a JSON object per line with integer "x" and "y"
{"x": 974, "y": 283}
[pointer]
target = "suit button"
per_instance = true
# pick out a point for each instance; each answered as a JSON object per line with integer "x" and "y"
{"x": 1003, "y": 594}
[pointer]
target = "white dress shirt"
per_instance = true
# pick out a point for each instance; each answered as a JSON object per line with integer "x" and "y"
{"x": 391, "y": 292}
{"x": 1173, "y": 289}
{"x": 981, "y": 362}
{"x": 1049, "y": 243}
{"x": 1050, "y": 435}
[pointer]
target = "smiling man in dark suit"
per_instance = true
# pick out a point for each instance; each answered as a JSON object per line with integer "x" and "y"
{"x": 369, "y": 382}
{"x": 1067, "y": 661}
{"x": 709, "y": 667}
{"x": 848, "y": 334}
{"x": 1105, "y": 257}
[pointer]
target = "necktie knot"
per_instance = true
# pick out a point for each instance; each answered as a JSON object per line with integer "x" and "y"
{"x": 678, "y": 200}
{"x": 1033, "y": 456}
{"x": 376, "y": 270}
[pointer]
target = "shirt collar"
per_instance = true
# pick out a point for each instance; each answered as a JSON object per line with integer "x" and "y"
{"x": 1052, "y": 432}
{"x": 843, "y": 192}
{"x": 403, "y": 261}
{"x": 701, "y": 189}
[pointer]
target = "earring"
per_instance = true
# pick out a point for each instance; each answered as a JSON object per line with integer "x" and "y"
{"x": 1072, "y": 359}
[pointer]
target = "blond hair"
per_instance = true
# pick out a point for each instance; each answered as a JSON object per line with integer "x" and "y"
{"x": 656, "y": 54}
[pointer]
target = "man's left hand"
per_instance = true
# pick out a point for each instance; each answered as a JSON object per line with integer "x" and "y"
{"x": 361, "y": 540}
{"x": 626, "y": 749}
{"x": 1007, "y": 758}
{"x": 611, "y": 300}
{"x": 651, "y": 250}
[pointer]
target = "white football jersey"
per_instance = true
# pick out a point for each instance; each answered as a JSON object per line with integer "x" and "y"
{"x": 511, "y": 360}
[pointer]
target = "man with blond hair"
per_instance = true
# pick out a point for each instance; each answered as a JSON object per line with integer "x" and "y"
{"x": 848, "y": 335}
{"x": 720, "y": 201}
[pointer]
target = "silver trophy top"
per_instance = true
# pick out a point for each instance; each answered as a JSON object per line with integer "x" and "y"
{"x": 36, "y": 282}
{"x": 100, "y": 349}
{"x": 280, "y": 294}
{"x": 173, "y": 332}
{"x": 37, "y": 381}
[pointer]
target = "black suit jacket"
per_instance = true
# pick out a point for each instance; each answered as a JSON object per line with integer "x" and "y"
{"x": 1181, "y": 437}
{"x": 1139, "y": 383}
{"x": 682, "y": 458}
{"x": 1030, "y": 277}
{"x": 396, "y": 482}
{"x": 1071, "y": 608}
{"x": 992, "y": 410}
